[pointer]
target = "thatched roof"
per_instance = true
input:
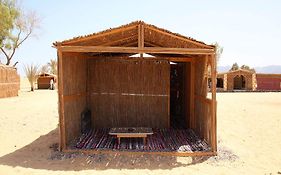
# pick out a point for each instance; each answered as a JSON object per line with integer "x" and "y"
{"x": 127, "y": 35}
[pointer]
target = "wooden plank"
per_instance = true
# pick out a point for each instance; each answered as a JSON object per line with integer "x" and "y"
{"x": 104, "y": 49}
{"x": 214, "y": 113}
{"x": 181, "y": 154}
{"x": 61, "y": 102}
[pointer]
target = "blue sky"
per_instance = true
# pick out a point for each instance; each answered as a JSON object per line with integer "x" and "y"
{"x": 249, "y": 31}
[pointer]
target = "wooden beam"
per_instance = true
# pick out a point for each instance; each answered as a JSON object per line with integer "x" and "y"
{"x": 214, "y": 104}
{"x": 192, "y": 95}
{"x": 103, "y": 49}
{"x": 141, "y": 37}
{"x": 118, "y": 57}
{"x": 62, "y": 144}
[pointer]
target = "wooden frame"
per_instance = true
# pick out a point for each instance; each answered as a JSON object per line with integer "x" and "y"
{"x": 198, "y": 57}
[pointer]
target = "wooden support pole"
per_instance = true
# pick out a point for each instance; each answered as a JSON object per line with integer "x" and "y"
{"x": 161, "y": 50}
{"x": 214, "y": 104}
{"x": 192, "y": 95}
{"x": 62, "y": 145}
{"x": 141, "y": 37}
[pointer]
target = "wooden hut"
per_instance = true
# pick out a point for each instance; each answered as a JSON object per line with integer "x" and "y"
{"x": 237, "y": 80}
{"x": 43, "y": 80}
{"x": 9, "y": 81}
{"x": 166, "y": 91}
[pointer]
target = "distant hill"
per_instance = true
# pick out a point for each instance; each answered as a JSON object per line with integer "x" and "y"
{"x": 273, "y": 69}
{"x": 223, "y": 68}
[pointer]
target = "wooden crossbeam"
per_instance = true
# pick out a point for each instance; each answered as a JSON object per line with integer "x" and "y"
{"x": 161, "y": 50}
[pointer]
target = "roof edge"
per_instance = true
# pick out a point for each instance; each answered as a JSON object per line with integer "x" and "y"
{"x": 134, "y": 23}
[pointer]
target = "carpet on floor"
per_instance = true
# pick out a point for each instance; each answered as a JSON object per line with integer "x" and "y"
{"x": 162, "y": 140}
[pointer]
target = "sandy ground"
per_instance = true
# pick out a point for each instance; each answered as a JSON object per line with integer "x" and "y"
{"x": 249, "y": 140}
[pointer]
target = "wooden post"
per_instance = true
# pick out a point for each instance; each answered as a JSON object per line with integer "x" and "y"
{"x": 214, "y": 104}
{"x": 62, "y": 145}
{"x": 192, "y": 96}
{"x": 169, "y": 96}
{"x": 141, "y": 37}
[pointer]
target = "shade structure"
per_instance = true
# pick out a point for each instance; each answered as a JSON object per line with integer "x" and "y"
{"x": 98, "y": 73}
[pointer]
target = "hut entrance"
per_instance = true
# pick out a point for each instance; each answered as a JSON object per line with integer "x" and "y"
{"x": 239, "y": 82}
{"x": 179, "y": 95}
{"x": 219, "y": 83}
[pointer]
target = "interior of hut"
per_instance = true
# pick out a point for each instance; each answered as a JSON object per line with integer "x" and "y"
{"x": 135, "y": 93}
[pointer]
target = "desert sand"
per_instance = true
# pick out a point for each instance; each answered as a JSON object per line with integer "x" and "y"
{"x": 249, "y": 140}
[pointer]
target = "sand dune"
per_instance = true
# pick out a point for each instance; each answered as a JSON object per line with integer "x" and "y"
{"x": 248, "y": 135}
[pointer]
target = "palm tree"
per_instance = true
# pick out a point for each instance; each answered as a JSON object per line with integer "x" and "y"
{"x": 31, "y": 72}
{"x": 53, "y": 66}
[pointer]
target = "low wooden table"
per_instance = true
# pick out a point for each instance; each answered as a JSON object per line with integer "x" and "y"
{"x": 131, "y": 132}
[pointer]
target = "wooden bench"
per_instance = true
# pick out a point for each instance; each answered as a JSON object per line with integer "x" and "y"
{"x": 131, "y": 132}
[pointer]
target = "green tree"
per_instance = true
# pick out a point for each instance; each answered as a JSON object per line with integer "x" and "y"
{"x": 235, "y": 66}
{"x": 31, "y": 72}
{"x": 246, "y": 67}
{"x": 8, "y": 13}
{"x": 23, "y": 27}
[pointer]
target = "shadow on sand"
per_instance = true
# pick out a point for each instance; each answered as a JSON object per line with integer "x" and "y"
{"x": 41, "y": 154}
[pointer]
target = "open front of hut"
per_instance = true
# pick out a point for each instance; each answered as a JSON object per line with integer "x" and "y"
{"x": 137, "y": 75}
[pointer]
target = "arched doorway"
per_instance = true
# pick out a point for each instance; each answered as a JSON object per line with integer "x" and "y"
{"x": 239, "y": 82}
{"x": 219, "y": 83}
